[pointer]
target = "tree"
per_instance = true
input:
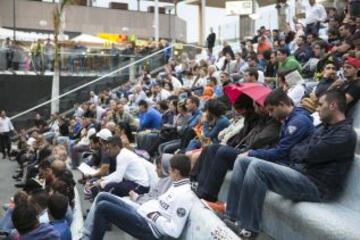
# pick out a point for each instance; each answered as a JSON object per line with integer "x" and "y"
{"x": 58, "y": 14}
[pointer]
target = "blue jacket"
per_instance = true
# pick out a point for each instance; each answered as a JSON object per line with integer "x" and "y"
{"x": 43, "y": 232}
{"x": 212, "y": 132}
{"x": 62, "y": 227}
{"x": 151, "y": 119}
{"x": 295, "y": 128}
{"x": 194, "y": 119}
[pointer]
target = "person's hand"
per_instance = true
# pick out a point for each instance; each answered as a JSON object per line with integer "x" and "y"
{"x": 100, "y": 183}
{"x": 336, "y": 84}
{"x": 133, "y": 195}
{"x": 204, "y": 117}
{"x": 313, "y": 97}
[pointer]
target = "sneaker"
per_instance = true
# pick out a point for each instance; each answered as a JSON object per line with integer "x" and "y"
{"x": 234, "y": 226}
{"x": 247, "y": 235}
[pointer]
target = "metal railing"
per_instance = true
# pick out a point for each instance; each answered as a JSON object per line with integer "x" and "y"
{"x": 110, "y": 80}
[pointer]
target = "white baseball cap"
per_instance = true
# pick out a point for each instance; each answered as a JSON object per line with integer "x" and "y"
{"x": 104, "y": 134}
{"x": 91, "y": 132}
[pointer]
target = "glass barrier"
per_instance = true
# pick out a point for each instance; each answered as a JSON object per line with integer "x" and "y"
{"x": 82, "y": 61}
{"x": 76, "y": 88}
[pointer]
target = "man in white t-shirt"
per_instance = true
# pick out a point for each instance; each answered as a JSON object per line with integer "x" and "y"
{"x": 5, "y": 130}
{"x": 130, "y": 173}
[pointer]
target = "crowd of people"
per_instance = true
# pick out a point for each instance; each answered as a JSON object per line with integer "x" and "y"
{"x": 75, "y": 57}
{"x": 296, "y": 140}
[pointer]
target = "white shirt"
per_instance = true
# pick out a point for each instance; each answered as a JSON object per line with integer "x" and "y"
{"x": 163, "y": 95}
{"x": 176, "y": 83}
{"x": 173, "y": 209}
{"x": 94, "y": 100}
{"x": 261, "y": 78}
{"x": 315, "y": 13}
{"x": 5, "y": 125}
{"x": 129, "y": 166}
{"x": 99, "y": 113}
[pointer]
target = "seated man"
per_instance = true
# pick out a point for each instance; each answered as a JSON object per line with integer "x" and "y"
{"x": 320, "y": 166}
{"x": 57, "y": 208}
{"x": 150, "y": 118}
{"x": 27, "y": 224}
{"x": 158, "y": 218}
{"x": 130, "y": 173}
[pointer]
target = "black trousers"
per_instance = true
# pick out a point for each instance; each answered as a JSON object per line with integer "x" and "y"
{"x": 5, "y": 144}
{"x": 217, "y": 160}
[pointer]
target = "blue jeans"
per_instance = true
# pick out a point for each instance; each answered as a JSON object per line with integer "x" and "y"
{"x": 123, "y": 216}
{"x": 89, "y": 221}
{"x": 250, "y": 180}
{"x": 6, "y": 224}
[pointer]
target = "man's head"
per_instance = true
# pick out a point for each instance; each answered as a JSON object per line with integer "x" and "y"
{"x": 58, "y": 168}
{"x": 120, "y": 107}
{"x": 143, "y": 106}
{"x": 179, "y": 167}
{"x": 282, "y": 54}
{"x": 91, "y": 93}
{"x": 332, "y": 106}
{"x": 24, "y": 218}
{"x": 3, "y": 114}
{"x": 329, "y": 70}
{"x": 278, "y": 104}
{"x": 312, "y": 2}
{"x": 345, "y": 30}
{"x": 251, "y": 75}
{"x": 310, "y": 38}
{"x": 252, "y": 60}
{"x": 319, "y": 48}
{"x": 192, "y": 103}
{"x": 57, "y": 206}
{"x": 243, "y": 105}
{"x": 351, "y": 67}
{"x": 224, "y": 77}
{"x": 45, "y": 169}
{"x": 114, "y": 146}
{"x": 300, "y": 41}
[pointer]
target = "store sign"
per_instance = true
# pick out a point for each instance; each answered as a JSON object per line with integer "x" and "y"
{"x": 238, "y": 8}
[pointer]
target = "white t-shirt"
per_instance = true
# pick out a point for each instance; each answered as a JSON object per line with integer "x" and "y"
{"x": 129, "y": 166}
{"x": 5, "y": 125}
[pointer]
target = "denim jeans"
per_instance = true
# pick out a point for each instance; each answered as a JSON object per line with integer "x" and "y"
{"x": 123, "y": 216}
{"x": 6, "y": 224}
{"x": 89, "y": 221}
{"x": 251, "y": 179}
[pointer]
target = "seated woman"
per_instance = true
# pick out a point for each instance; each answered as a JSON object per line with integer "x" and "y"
{"x": 215, "y": 160}
{"x": 213, "y": 121}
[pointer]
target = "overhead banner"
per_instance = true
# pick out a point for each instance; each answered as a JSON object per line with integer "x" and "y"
{"x": 238, "y": 8}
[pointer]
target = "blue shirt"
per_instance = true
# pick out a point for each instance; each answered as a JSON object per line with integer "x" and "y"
{"x": 151, "y": 119}
{"x": 194, "y": 119}
{"x": 43, "y": 232}
{"x": 212, "y": 132}
{"x": 296, "y": 127}
{"x": 62, "y": 227}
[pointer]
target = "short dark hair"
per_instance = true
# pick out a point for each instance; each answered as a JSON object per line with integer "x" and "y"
{"x": 181, "y": 163}
{"x": 164, "y": 105}
{"x": 215, "y": 107}
{"x": 143, "y": 103}
{"x": 44, "y": 164}
{"x": 115, "y": 141}
{"x": 40, "y": 197}
{"x": 253, "y": 72}
{"x": 58, "y": 205}
{"x": 24, "y": 217}
{"x": 244, "y": 102}
{"x": 194, "y": 100}
{"x": 338, "y": 97}
{"x": 276, "y": 97}
{"x": 284, "y": 50}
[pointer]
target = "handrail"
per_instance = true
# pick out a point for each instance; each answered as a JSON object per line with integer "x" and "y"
{"x": 99, "y": 79}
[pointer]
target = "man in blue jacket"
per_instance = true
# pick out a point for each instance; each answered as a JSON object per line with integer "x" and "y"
{"x": 150, "y": 118}
{"x": 296, "y": 126}
{"x": 320, "y": 166}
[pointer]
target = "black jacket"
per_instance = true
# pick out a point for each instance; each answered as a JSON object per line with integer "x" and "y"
{"x": 326, "y": 156}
